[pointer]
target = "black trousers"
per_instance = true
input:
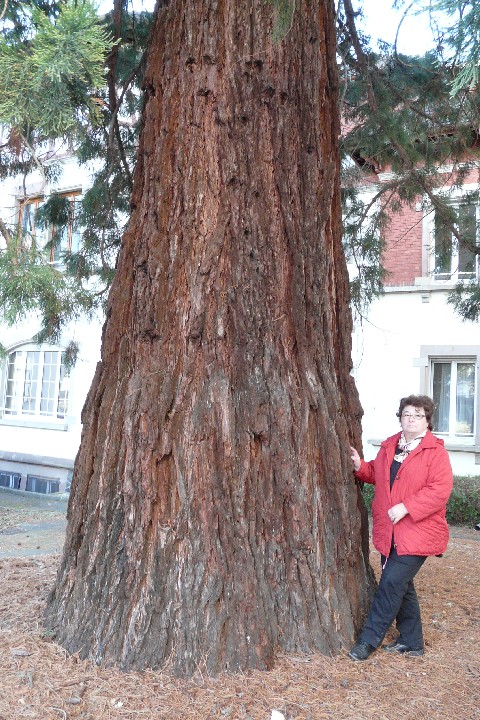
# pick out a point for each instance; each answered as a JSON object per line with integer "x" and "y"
{"x": 396, "y": 599}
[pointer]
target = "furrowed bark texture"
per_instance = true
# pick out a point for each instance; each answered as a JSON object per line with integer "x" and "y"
{"x": 214, "y": 519}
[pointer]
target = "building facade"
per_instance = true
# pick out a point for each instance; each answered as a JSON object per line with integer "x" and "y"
{"x": 412, "y": 340}
{"x": 41, "y": 395}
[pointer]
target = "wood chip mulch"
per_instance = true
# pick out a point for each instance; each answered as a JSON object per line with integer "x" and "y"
{"x": 39, "y": 680}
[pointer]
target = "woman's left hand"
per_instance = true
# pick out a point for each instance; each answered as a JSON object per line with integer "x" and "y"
{"x": 397, "y": 512}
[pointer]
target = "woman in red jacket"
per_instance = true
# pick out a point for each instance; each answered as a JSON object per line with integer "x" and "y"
{"x": 413, "y": 481}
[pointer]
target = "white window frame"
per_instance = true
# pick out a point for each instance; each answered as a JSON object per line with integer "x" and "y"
{"x": 456, "y": 199}
{"x": 454, "y": 273}
{"x": 453, "y": 353}
{"x": 452, "y": 432}
{"x": 13, "y": 411}
{"x": 52, "y": 485}
{"x": 32, "y": 234}
{"x": 13, "y": 478}
{"x": 46, "y": 235}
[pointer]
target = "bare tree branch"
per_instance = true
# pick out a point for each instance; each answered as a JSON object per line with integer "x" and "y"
{"x": 5, "y": 232}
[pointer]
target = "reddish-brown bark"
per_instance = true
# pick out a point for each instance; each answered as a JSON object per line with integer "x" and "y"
{"x": 213, "y": 518}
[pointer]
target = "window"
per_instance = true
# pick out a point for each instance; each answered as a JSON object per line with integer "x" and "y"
{"x": 34, "y": 385}
{"x": 451, "y": 260}
{"x": 56, "y": 240}
{"x": 10, "y": 479}
{"x": 454, "y": 392}
{"x": 42, "y": 485}
{"x": 29, "y": 228}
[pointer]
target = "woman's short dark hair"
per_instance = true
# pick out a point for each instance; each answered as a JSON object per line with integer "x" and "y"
{"x": 420, "y": 402}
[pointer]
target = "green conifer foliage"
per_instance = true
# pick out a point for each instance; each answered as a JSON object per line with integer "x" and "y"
{"x": 49, "y": 83}
{"x": 68, "y": 75}
{"x": 401, "y": 116}
{"x": 462, "y": 40}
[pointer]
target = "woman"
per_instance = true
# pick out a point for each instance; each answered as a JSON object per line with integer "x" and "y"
{"x": 413, "y": 481}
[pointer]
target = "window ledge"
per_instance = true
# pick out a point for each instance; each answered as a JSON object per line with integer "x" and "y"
{"x": 39, "y": 424}
{"x": 461, "y": 447}
{"x": 44, "y": 460}
{"x": 425, "y": 284}
{"x": 420, "y": 285}
{"x": 449, "y": 445}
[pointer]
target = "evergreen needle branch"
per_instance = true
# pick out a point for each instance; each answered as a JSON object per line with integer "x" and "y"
{"x": 367, "y": 71}
{"x": 343, "y": 101}
{"x": 398, "y": 29}
{"x": 123, "y": 156}
{"x": 105, "y": 265}
{"x": 113, "y": 127}
{"x": 389, "y": 187}
{"x": 401, "y": 151}
{"x": 442, "y": 211}
{"x": 5, "y": 6}
{"x": 361, "y": 57}
{"x": 125, "y": 87}
{"x": 407, "y": 102}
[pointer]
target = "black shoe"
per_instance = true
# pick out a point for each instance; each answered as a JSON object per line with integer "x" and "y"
{"x": 477, "y": 527}
{"x": 398, "y": 647}
{"x": 361, "y": 651}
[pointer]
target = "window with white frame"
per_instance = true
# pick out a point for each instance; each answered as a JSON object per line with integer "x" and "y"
{"x": 34, "y": 384}
{"x": 29, "y": 228}
{"x": 453, "y": 390}
{"x": 453, "y": 260}
{"x": 56, "y": 240}
{"x": 10, "y": 479}
{"x": 42, "y": 485}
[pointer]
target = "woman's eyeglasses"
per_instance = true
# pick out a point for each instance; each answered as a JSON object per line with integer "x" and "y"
{"x": 409, "y": 415}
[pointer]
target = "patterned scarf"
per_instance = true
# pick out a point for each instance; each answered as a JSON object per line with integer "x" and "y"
{"x": 406, "y": 448}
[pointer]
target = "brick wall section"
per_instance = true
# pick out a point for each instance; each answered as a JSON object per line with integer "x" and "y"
{"x": 403, "y": 238}
{"x": 403, "y": 247}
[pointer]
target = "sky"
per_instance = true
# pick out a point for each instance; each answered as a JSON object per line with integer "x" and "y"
{"x": 381, "y": 21}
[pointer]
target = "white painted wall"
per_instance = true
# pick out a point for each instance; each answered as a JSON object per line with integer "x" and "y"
{"x": 385, "y": 353}
{"x": 56, "y": 443}
{"x": 43, "y": 443}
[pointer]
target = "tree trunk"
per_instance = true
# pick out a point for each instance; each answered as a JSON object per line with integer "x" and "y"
{"x": 214, "y": 519}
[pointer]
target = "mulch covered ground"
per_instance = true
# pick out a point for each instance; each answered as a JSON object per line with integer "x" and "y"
{"x": 39, "y": 680}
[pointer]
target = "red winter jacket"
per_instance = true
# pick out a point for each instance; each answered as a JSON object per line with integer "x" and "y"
{"x": 423, "y": 484}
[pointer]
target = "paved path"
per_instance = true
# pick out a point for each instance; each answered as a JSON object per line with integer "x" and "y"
{"x": 31, "y": 539}
{"x": 31, "y": 524}
{"x": 35, "y": 525}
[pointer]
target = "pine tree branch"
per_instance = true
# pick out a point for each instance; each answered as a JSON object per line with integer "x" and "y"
{"x": 36, "y": 159}
{"x": 131, "y": 77}
{"x": 123, "y": 156}
{"x": 371, "y": 76}
{"x": 367, "y": 71}
{"x": 401, "y": 151}
{"x": 398, "y": 30}
{"x": 115, "y": 102}
{"x": 114, "y": 128}
{"x": 361, "y": 57}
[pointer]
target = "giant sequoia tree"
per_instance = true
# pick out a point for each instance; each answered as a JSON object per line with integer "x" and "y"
{"x": 213, "y": 518}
